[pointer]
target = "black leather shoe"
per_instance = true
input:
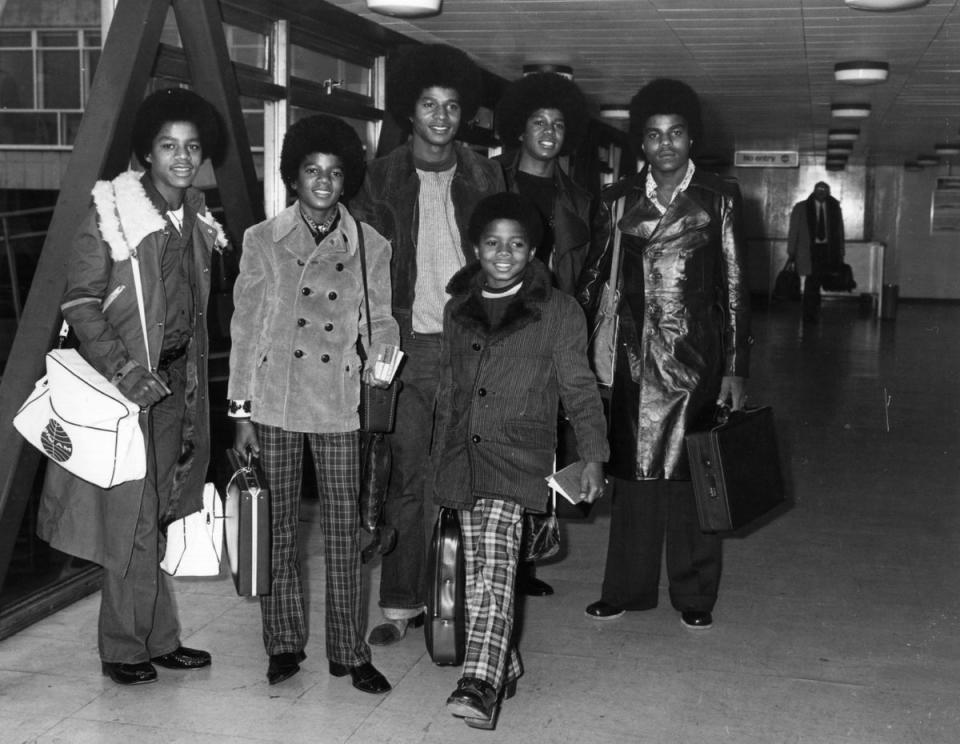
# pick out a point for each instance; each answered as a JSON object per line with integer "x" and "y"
{"x": 602, "y": 611}
{"x": 183, "y": 658}
{"x": 696, "y": 620}
{"x": 365, "y": 677}
{"x": 534, "y": 587}
{"x": 393, "y": 631}
{"x": 284, "y": 666}
{"x": 140, "y": 673}
{"x": 474, "y": 699}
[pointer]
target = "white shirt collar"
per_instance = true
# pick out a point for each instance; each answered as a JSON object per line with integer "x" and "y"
{"x": 651, "y": 186}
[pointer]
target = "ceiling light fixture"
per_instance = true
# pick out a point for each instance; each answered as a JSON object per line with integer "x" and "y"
{"x": 850, "y": 110}
{"x": 861, "y": 72}
{"x": 615, "y": 111}
{"x": 912, "y": 165}
{"x": 843, "y": 135}
{"x": 947, "y": 148}
{"x": 928, "y": 160}
{"x": 836, "y": 166}
{"x": 839, "y": 148}
{"x": 564, "y": 70}
{"x": 885, "y": 5}
{"x": 405, "y": 8}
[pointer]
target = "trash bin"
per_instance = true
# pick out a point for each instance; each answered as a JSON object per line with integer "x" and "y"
{"x": 888, "y": 303}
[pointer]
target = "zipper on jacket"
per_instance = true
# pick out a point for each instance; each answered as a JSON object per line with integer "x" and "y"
{"x": 108, "y": 301}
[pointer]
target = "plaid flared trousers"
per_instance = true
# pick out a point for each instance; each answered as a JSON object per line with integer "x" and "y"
{"x": 337, "y": 463}
{"x": 491, "y": 546}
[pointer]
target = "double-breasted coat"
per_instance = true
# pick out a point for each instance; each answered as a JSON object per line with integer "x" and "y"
{"x": 684, "y": 317}
{"x": 100, "y": 304}
{"x": 496, "y": 425}
{"x": 298, "y": 311}
{"x": 803, "y": 220}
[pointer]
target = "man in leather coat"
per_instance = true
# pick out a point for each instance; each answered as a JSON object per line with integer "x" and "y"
{"x": 683, "y": 348}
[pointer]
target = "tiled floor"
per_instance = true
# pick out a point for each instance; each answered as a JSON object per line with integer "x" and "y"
{"x": 837, "y": 623}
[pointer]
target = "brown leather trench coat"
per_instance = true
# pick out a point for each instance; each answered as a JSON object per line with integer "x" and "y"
{"x": 684, "y": 318}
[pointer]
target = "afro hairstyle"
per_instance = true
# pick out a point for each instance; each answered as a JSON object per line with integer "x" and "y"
{"x": 428, "y": 66}
{"x": 539, "y": 91}
{"x": 664, "y": 96}
{"x": 176, "y": 104}
{"x": 506, "y": 205}
{"x": 328, "y": 135}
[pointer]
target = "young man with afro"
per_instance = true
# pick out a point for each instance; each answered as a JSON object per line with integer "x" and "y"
{"x": 420, "y": 197}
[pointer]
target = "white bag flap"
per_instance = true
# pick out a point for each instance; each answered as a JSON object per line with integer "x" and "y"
{"x": 77, "y": 389}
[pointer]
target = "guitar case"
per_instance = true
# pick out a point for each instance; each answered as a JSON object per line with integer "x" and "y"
{"x": 445, "y": 628}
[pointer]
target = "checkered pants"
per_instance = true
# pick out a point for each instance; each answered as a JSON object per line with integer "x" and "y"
{"x": 337, "y": 462}
{"x": 491, "y": 547}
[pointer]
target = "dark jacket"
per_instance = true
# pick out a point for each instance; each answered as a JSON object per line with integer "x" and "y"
{"x": 388, "y": 202}
{"x": 572, "y": 215}
{"x": 496, "y": 425}
{"x": 100, "y": 304}
{"x": 803, "y": 225}
{"x": 684, "y": 317}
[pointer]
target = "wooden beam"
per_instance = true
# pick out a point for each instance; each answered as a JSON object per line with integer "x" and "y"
{"x": 101, "y": 148}
{"x": 212, "y": 74}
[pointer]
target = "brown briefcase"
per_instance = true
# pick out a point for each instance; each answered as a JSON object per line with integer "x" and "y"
{"x": 247, "y": 527}
{"x": 445, "y": 628}
{"x": 735, "y": 468}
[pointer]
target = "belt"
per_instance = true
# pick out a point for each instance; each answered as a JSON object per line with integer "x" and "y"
{"x": 169, "y": 356}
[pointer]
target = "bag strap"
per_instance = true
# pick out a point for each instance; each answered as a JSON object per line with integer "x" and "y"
{"x": 138, "y": 284}
{"x": 616, "y": 259}
{"x": 366, "y": 295}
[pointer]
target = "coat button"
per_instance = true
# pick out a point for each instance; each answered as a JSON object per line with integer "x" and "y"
{"x": 300, "y": 262}
{"x": 298, "y": 353}
{"x": 476, "y": 346}
{"x": 339, "y": 267}
{"x": 324, "y": 358}
{"x": 301, "y": 322}
{"x": 328, "y": 326}
{"x": 481, "y": 392}
{"x": 332, "y": 295}
{"x": 475, "y": 438}
{"x": 305, "y": 291}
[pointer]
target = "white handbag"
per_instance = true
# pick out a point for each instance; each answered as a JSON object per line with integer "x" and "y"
{"x": 195, "y": 542}
{"x": 81, "y": 421}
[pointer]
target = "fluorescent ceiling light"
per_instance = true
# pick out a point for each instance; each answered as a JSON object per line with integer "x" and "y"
{"x": 843, "y": 135}
{"x": 564, "y": 70}
{"x": 885, "y": 5}
{"x": 947, "y": 148}
{"x": 405, "y": 8}
{"x": 928, "y": 160}
{"x": 615, "y": 111}
{"x": 861, "y": 72}
{"x": 850, "y": 110}
{"x": 839, "y": 148}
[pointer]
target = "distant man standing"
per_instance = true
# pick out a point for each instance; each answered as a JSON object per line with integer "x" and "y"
{"x": 420, "y": 197}
{"x": 815, "y": 243}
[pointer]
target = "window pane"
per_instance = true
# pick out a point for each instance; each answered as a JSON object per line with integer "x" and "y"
{"x": 318, "y": 67}
{"x": 57, "y": 38}
{"x": 28, "y": 128}
{"x": 246, "y": 47}
{"x": 15, "y": 39}
{"x": 60, "y": 79}
{"x": 16, "y": 79}
{"x": 91, "y": 39}
{"x": 170, "y": 34}
{"x": 253, "y": 119}
{"x": 91, "y": 57}
{"x": 71, "y": 123}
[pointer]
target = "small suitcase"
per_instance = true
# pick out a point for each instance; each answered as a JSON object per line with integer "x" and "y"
{"x": 735, "y": 469}
{"x": 247, "y": 527}
{"x": 445, "y": 629}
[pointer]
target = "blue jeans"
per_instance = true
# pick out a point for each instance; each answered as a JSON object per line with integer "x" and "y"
{"x": 409, "y": 508}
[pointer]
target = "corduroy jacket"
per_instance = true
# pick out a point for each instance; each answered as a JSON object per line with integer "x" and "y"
{"x": 496, "y": 426}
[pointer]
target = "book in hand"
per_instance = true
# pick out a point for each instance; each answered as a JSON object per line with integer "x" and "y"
{"x": 387, "y": 361}
{"x": 566, "y": 481}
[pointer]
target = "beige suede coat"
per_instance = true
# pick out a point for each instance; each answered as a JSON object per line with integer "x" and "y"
{"x": 299, "y": 311}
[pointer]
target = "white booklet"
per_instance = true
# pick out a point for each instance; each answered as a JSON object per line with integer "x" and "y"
{"x": 566, "y": 481}
{"x": 386, "y": 364}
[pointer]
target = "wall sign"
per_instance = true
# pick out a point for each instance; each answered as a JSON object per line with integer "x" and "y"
{"x": 766, "y": 159}
{"x": 945, "y": 212}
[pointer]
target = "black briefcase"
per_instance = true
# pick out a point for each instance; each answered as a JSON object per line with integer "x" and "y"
{"x": 247, "y": 527}
{"x": 735, "y": 468}
{"x": 445, "y": 630}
